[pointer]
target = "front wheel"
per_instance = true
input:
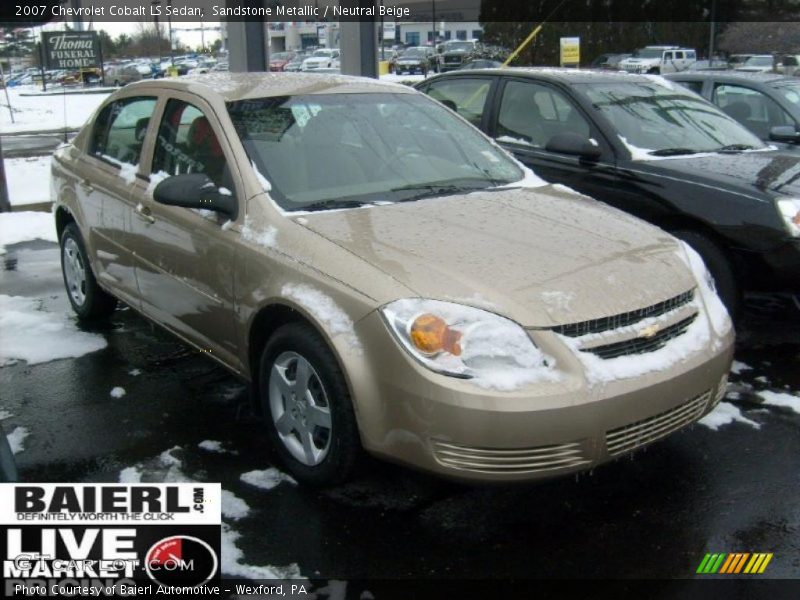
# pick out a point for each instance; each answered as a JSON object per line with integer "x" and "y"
{"x": 88, "y": 300}
{"x": 307, "y": 407}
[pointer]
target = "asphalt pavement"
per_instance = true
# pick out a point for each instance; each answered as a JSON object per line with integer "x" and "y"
{"x": 652, "y": 515}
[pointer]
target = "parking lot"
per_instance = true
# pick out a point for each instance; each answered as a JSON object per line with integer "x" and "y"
{"x": 145, "y": 407}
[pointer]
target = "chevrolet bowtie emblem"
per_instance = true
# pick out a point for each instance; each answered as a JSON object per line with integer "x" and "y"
{"x": 649, "y": 331}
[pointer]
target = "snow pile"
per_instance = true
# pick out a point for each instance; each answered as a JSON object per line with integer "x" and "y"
{"x": 723, "y": 414}
{"x": 135, "y": 372}
{"x": 4, "y": 414}
{"x": 324, "y": 309}
{"x": 130, "y": 475}
{"x": 715, "y": 309}
{"x": 262, "y": 237}
{"x": 737, "y": 367}
{"x": 28, "y": 180}
{"x": 211, "y": 446}
{"x": 155, "y": 179}
{"x": 20, "y": 227}
{"x": 232, "y": 561}
{"x": 46, "y": 112}
{"x": 600, "y": 370}
{"x": 15, "y": 439}
{"x": 496, "y": 352}
{"x": 233, "y": 507}
{"x": 265, "y": 184}
{"x": 118, "y": 392}
{"x": 37, "y": 336}
{"x": 781, "y": 399}
{"x": 266, "y": 479}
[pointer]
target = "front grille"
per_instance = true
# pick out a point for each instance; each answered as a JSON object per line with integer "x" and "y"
{"x": 517, "y": 461}
{"x": 628, "y": 438}
{"x": 624, "y": 319}
{"x": 641, "y": 345}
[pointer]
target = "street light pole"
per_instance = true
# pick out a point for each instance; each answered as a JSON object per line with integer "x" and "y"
{"x": 158, "y": 31}
{"x": 169, "y": 26}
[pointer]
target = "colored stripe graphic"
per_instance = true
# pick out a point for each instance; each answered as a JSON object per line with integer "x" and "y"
{"x": 734, "y": 563}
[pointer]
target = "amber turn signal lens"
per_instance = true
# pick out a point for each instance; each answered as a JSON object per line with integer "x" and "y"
{"x": 431, "y": 334}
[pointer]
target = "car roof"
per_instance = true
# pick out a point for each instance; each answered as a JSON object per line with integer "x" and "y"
{"x": 743, "y": 76}
{"x": 559, "y": 74}
{"x": 240, "y": 86}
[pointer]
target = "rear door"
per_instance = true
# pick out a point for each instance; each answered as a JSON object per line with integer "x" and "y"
{"x": 528, "y": 113}
{"x": 108, "y": 172}
{"x": 468, "y": 96}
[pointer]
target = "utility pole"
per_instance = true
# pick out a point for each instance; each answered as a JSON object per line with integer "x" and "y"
{"x": 712, "y": 33}
{"x": 5, "y": 205}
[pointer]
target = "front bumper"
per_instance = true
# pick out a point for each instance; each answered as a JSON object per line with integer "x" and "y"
{"x": 455, "y": 429}
{"x": 780, "y": 271}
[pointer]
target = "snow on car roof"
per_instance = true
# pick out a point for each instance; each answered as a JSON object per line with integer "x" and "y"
{"x": 240, "y": 86}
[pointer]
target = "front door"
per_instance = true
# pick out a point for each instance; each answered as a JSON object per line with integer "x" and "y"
{"x": 185, "y": 257}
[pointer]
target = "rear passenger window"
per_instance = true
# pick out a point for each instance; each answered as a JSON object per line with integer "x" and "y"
{"x": 465, "y": 96}
{"x": 120, "y": 129}
{"x": 695, "y": 86}
{"x": 186, "y": 143}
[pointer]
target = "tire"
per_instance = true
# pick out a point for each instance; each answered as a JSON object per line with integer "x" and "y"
{"x": 88, "y": 300}
{"x": 654, "y": 71}
{"x": 326, "y": 456}
{"x": 720, "y": 267}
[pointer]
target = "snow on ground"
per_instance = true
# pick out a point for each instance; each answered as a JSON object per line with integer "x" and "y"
{"x": 724, "y": 414}
{"x": 46, "y": 113}
{"x": 737, "y": 367}
{"x": 15, "y": 439}
{"x": 134, "y": 372}
{"x": 211, "y": 446}
{"x": 266, "y": 479}
{"x": 26, "y": 226}
{"x": 232, "y": 561}
{"x": 28, "y": 180}
{"x": 233, "y": 507}
{"x": 118, "y": 392}
{"x": 37, "y": 336}
{"x": 130, "y": 475}
{"x": 781, "y": 399}
{"x": 4, "y": 414}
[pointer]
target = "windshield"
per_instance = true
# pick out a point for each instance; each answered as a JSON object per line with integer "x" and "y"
{"x": 413, "y": 53}
{"x": 458, "y": 46}
{"x": 325, "y": 53}
{"x": 647, "y": 53}
{"x": 758, "y": 61}
{"x": 324, "y": 151}
{"x": 653, "y": 119}
{"x": 280, "y": 56}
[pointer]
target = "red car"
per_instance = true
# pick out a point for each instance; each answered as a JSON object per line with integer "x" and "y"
{"x": 279, "y": 60}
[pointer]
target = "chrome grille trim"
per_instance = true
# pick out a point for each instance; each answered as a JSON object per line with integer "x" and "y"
{"x": 635, "y": 435}
{"x": 624, "y": 319}
{"x": 642, "y": 345}
{"x": 509, "y": 461}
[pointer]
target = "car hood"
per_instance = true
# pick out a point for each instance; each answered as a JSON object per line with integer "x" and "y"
{"x": 540, "y": 257}
{"x": 776, "y": 171}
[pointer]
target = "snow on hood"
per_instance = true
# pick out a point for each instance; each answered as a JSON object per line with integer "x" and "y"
{"x": 513, "y": 248}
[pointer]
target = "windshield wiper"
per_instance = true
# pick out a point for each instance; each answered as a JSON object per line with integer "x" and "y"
{"x": 672, "y": 152}
{"x": 734, "y": 148}
{"x": 330, "y": 205}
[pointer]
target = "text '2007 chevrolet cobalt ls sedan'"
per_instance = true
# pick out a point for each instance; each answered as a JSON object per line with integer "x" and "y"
{"x": 386, "y": 277}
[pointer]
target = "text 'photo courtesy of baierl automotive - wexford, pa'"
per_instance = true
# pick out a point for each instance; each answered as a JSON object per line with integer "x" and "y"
{"x": 399, "y": 299}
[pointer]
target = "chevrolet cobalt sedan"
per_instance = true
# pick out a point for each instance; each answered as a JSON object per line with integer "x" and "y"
{"x": 386, "y": 277}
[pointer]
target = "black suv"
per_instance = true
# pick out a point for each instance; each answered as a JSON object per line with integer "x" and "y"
{"x": 651, "y": 148}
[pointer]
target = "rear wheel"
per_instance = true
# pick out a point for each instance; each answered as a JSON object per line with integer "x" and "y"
{"x": 307, "y": 406}
{"x": 720, "y": 267}
{"x": 87, "y": 299}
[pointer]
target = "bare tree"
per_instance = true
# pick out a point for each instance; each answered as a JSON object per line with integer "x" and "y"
{"x": 761, "y": 37}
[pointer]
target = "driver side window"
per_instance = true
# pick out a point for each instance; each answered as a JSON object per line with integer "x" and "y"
{"x": 531, "y": 114}
{"x": 186, "y": 143}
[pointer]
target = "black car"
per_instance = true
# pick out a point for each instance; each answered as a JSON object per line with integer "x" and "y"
{"x": 482, "y": 63}
{"x": 651, "y": 148}
{"x": 766, "y": 103}
{"x": 417, "y": 59}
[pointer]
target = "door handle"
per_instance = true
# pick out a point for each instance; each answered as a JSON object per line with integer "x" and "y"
{"x": 144, "y": 213}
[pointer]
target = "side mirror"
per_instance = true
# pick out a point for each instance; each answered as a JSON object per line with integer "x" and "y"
{"x": 194, "y": 190}
{"x": 784, "y": 133}
{"x": 573, "y": 144}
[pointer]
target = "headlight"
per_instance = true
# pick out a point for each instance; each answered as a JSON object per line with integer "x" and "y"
{"x": 790, "y": 211}
{"x": 461, "y": 341}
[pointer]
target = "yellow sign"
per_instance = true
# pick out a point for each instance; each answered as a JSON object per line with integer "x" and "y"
{"x": 570, "y": 51}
